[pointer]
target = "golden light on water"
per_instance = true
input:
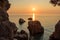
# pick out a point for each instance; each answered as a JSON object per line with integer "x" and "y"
{"x": 33, "y": 10}
{"x": 33, "y": 16}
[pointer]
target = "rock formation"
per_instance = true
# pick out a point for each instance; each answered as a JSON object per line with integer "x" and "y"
{"x": 4, "y": 4}
{"x": 22, "y": 35}
{"x": 3, "y": 15}
{"x": 7, "y": 29}
{"x": 35, "y": 28}
{"x": 2, "y": 38}
{"x": 30, "y": 19}
{"x": 56, "y": 33}
{"x": 21, "y": 21}
{"x": 7, "y": 5}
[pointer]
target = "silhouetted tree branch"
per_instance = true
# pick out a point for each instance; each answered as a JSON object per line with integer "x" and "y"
{"x": 55, "y": 2}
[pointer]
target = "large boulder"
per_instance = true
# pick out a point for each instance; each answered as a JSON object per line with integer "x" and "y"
{"x": 35, "y": 28}
{"x": 56, "y": 33}
{"x": 21, "y": 21}
{"x": 3, "y": 10}
{"x": 7, "y": 29}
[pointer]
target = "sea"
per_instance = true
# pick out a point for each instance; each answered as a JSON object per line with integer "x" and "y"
{"x": 48, "y": 22}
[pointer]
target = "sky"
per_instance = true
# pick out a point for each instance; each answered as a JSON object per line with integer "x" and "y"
{"x": 25, "y": 7}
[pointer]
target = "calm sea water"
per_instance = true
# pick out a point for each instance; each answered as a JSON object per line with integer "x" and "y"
{"x": 48, "y": 22}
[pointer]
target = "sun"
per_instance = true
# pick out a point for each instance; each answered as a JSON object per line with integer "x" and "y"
{"x": 33, "y": 9}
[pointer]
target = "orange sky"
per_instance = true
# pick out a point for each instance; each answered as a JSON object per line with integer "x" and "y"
{"x": 25, "y": 6}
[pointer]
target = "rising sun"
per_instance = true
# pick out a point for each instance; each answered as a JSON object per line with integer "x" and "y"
{"x": 33, "y": 9}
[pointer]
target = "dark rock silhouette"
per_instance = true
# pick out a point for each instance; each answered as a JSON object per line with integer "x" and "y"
{"x": 2, "y": 38}
{"x": 56, "y": 34}
{"x": 3, "y": 15}
{"x": 7, "y": 5}
{"x": 35, "y": 29}
{"x": 4, "y": 4}
{"x": 21, "y": 21}
{"x": 30, "y": 19}
{"x": 55, "y": 2}
{"x": 22, "y": 35}
{"x": 7, "y": 29}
